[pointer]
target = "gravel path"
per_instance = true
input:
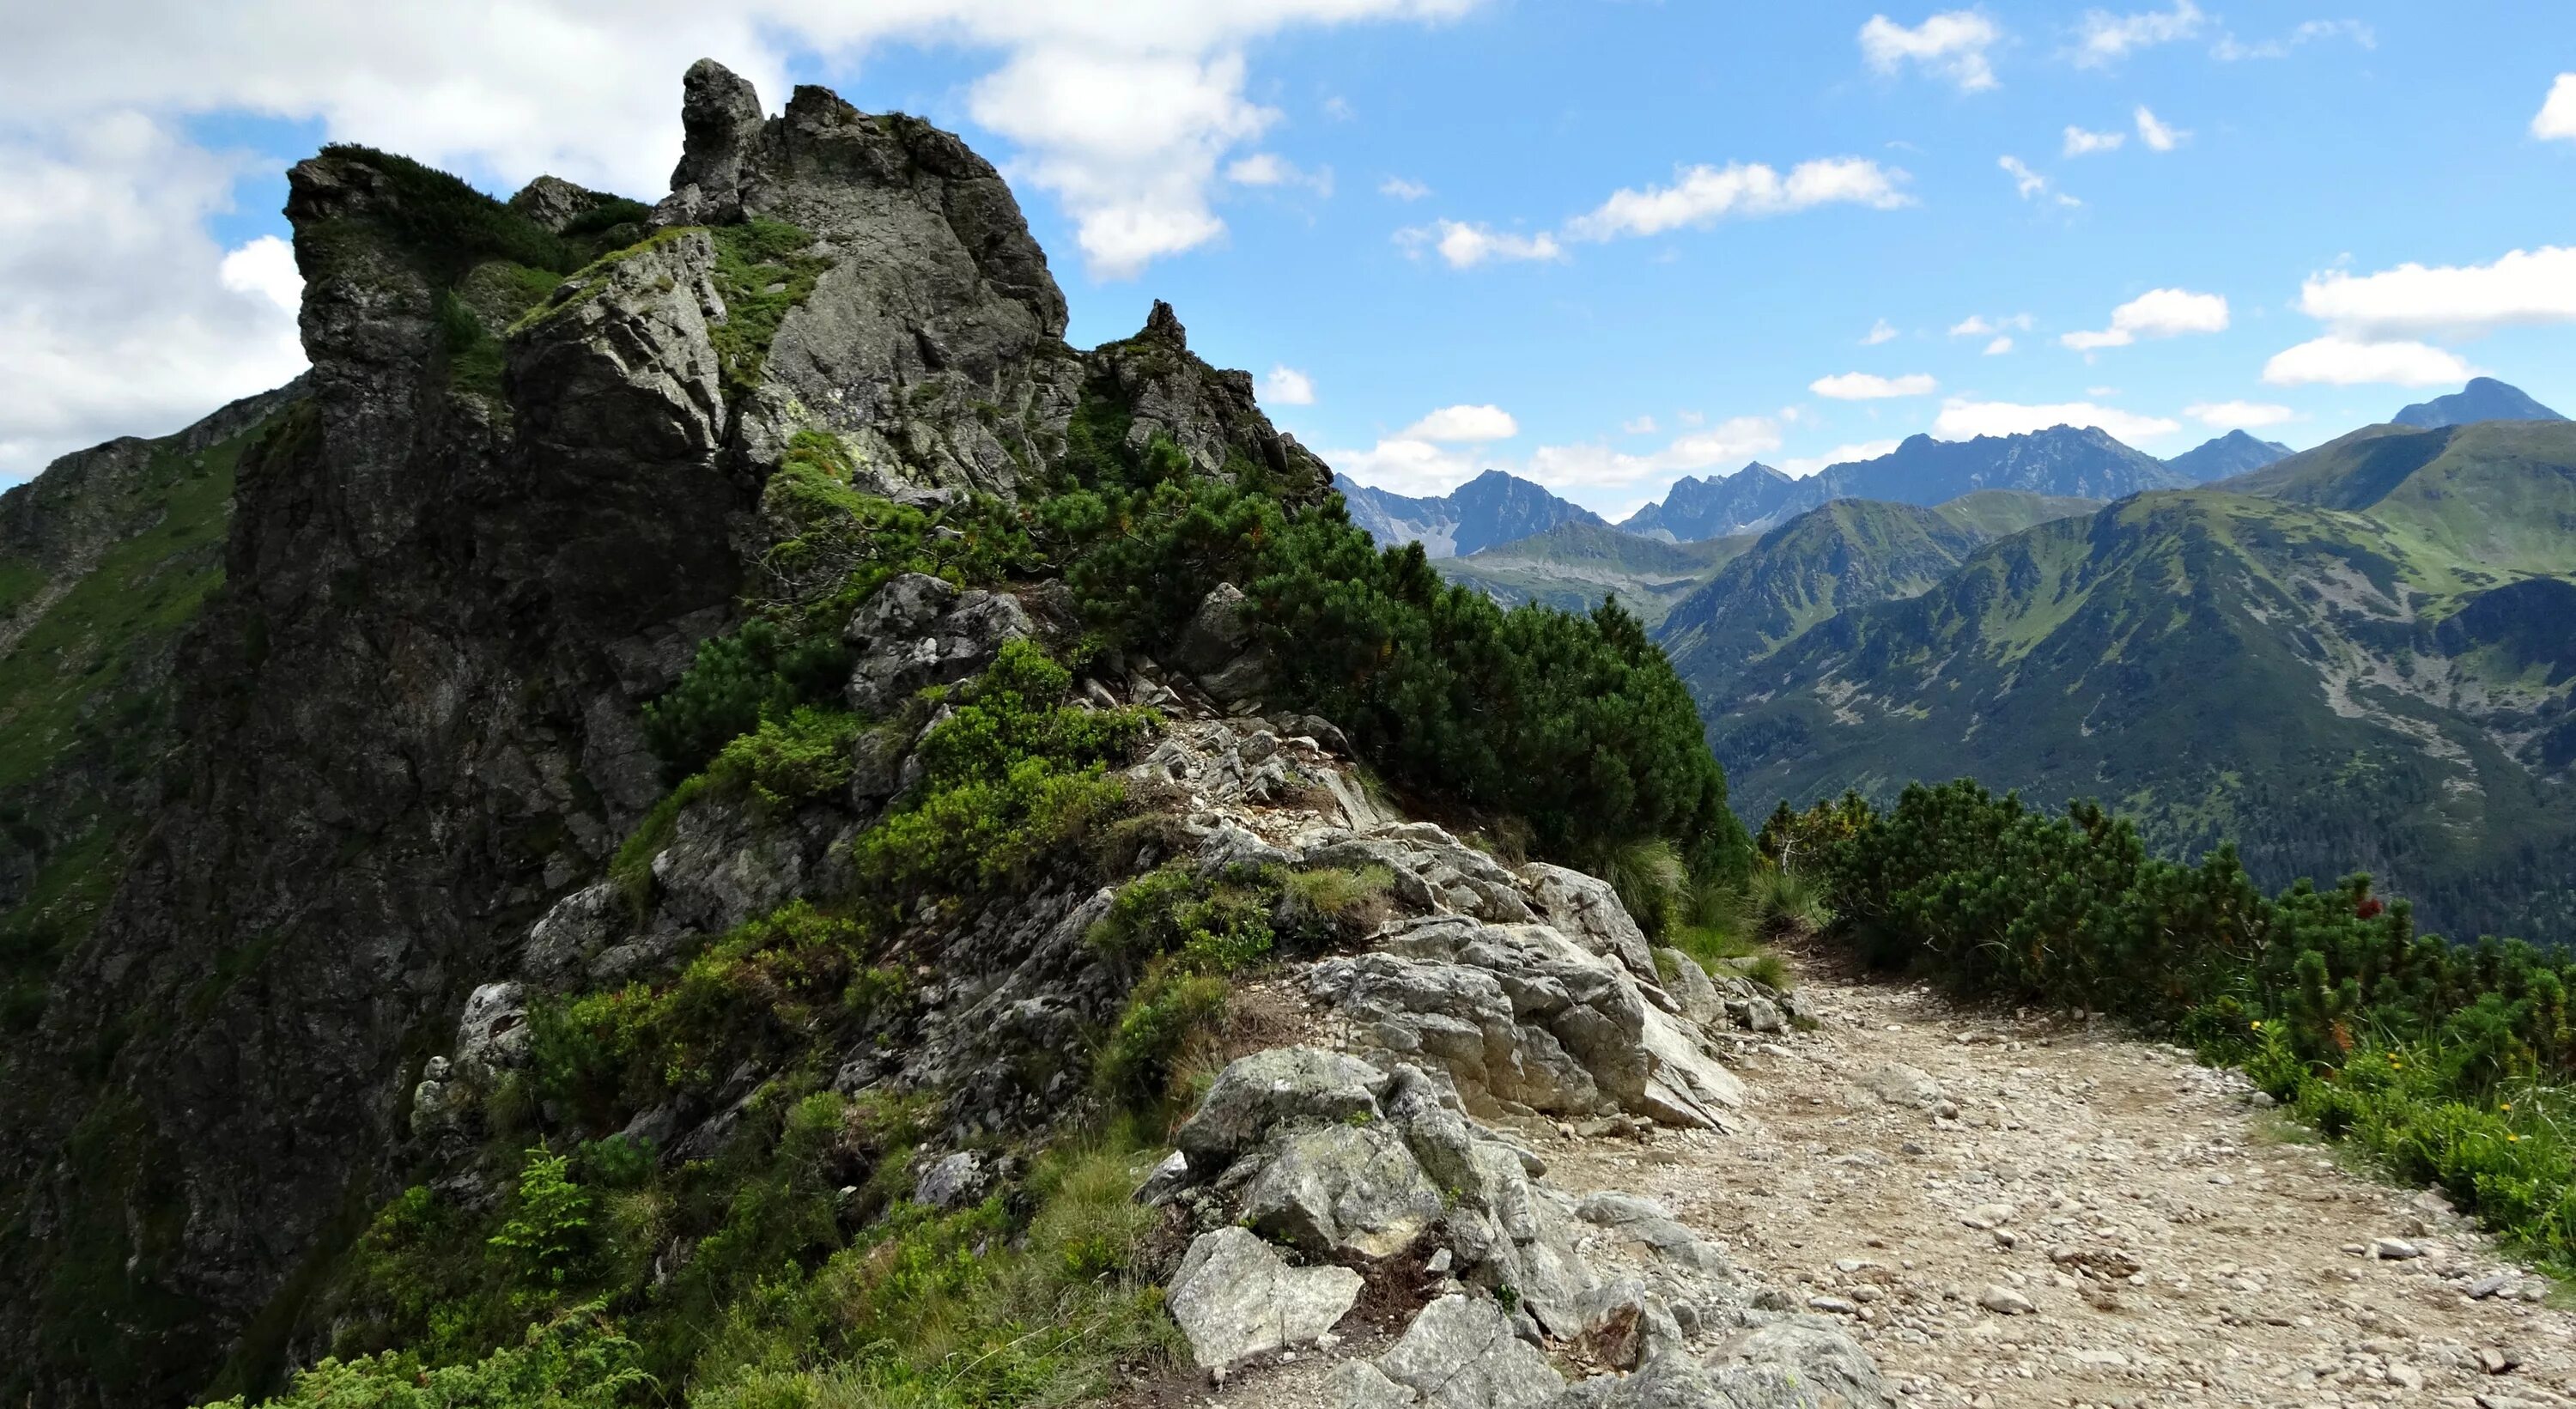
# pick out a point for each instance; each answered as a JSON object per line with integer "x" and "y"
{"x": 2065, "y": 1216}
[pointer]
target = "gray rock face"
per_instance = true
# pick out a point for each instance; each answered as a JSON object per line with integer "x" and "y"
{"x": 1235, "y": 1298}
{"x": 917, "y": 631}
{"x": 1826, "y": 1362}
{"x": 553, "y": 203}
{"x": 1216, "y": 647}
{"x": 1461, "y": 1353}
{"x": 1674, "y": 1382}
{"x": 1280, "y": 1086}
{"x": 1589, "y": 912}
{"x": 1899, "y": 1085}
{"x": 1357, "y": 1384}
{"x": 1526, "y": 1020}
{"x": 1354, "y": 1187}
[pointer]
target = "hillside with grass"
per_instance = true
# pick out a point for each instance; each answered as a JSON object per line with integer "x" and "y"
{"x": 1575, "y": 566}
{"x": 2337, "y": 663}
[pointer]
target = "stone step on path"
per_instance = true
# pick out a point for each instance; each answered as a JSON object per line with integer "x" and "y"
{"x": 2020, "y": 1211}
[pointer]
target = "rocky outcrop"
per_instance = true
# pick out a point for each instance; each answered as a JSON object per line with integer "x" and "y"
{"x": 1235, "y": 1298}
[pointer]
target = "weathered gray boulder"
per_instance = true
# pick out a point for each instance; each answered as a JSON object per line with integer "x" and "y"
{"x": 725, "y": 866}
{"x": 1216, "y": 647}
{"x": 1433, "y": 871}
{"x": 1357, "y": 1384}
{"x": 953, "y": 1181}
{"x": 1692, "y": 989}
{"x": 1827, "y": 1363}
{"x": 1591, "y": 914}
{"x": 720, "y": 119}
{"x": 917, "y": 631}
{"x": 561, "y": 944}
{"x": 1345, "y": 1187}
{"x": 554, "y": 203}
{"x": 1676, "y": 1382}
{"x": 1526, "y": 1020}
{"x": 1651, "y": 1225}
{"x": 1235, "y": 1297}
{"x": 1898, "y": 1085}
{"x": 492, "y": 1036}
{"x": 1627, "y": 1325}
{"x": 1280, "y": 1086}
{"x": 1461, "y": 1353}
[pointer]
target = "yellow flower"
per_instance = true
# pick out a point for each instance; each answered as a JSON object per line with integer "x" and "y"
{"x": 2513, "y": 1139}
{"x": 2506, "y": 1106}
{"x": 2258, "y": 1024}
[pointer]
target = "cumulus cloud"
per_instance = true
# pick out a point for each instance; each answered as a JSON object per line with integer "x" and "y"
{"x": 1399, "y": 188}
{"x": 2335, "y": 360}
{"x": 1286, "y": 386}
{"x": 1861, "y": 386}
{"x": 1464, "y": 246}
{"x": 1879, "y": 332}
{"x": 121, "y": 315}
{"x": 1641, "y": 425}
{"x": 2556, "y": 120}
{"x": 2080, "y": 143}
{"x": 1952, "y": 44}
{"x": 1805, "y": 465}
{"x": 2521, "y": 288}
{"x": 1703, "y": 195}
{"x": 2158, "y": 136}
{"x": 1403, "y": 466}
{"x": 1962, "y": 419}
{"x": 2103, "y": 38}
{"x": 1596, "y": 466}
{"x": 1463, "y": 424}
{"x": 2030, "y": 184}
{"x": 2157, "y": 313}
{"x": 2239, "y": 415}
{"x": 1999, "y": 347}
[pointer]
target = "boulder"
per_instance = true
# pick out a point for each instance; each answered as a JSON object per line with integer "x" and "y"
{"x": 1283, "y": 1085}
{"x": 954, "y": 1181}
{"x": 561, "y": 944}
{"x": 1217, "y": 648}
{"x": 1899, "y": 1085}
{"x": 1590, "y": 912}
{"x": 1235, "y": 1297}
{"x": 1342, "y": 1188}
{"x": 917, "y": 631}
{"x": 1692, "y": 989}
{"x": 1461, "y": 1353}
{"x": 1676, "y": 1382}
{"x": 1826, "y": 1362}
{"x": 1357, "y": 1384}
{"x": 492, "y": 1036}
{"x": 1625, "y": 1325}
{"x": 1646, "y": 1222}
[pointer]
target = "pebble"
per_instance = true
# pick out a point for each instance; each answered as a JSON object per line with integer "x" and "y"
{"x": 2004, "y": 1301}
{"x": 2394, "y": 1250}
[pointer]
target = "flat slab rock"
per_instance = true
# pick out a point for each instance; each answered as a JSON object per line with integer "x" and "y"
{"x": 1235, "y": 1297}
{"x": 1460, "y": 1353}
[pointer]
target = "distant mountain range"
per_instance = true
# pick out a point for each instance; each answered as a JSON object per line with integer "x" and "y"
{"x": 2483, "y": 399}
{"x": 2232, "y": 454}
{"x": 1747, "y": 501}
{"x": 1491, "y": 508}
{"x": 1574, "y": 565}
{"x": 2357, "y": 655}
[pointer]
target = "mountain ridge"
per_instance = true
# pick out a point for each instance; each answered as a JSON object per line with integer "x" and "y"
{"x": 2483, "y": 399}
{"x": 1492, "y": 508}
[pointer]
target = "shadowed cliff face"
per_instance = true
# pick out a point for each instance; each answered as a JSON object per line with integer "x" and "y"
{"x": 520, "y": 488}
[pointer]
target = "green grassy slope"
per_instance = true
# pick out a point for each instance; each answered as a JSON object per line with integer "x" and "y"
{"x": 1574, "y": 565}
{"x": 84, "y": 688}
{"x": 2329, "y": 671}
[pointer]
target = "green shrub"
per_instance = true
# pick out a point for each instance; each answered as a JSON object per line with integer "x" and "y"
{"x": 1650, "y": 877}
{"x": 547, "y": 1233}
{"x": 788, "y": 762}
{"x": 575, "y": 1361}
{"x": 756, "y": 673}
{"x": 1172, "y": 1002}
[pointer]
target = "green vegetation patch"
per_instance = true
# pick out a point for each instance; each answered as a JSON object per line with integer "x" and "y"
{"x": 763, "y": 272}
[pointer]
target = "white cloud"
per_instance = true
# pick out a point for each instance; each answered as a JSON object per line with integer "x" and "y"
{"x": 1286, "y": 386}
{"x": 1464, "y": 246}
{"x": 1999, "y": 347}
{"x": 1642, "y": 425}
{"x": 2229, "y": 49}
{"x": 2335, "y": 360}
{"x": 2522, "y": 288}
{"x": 1952, "y": 44}
{"x": 265, "y": 266}
{"x": 118, "y": 314}
{"x": 2104, "y": 38}
{"x": 1963, "y": 419}
{"x": 1463, "y": 424}
{"x": 1272, "y": 169}
{"x": 2239, "y": 415}
{"x": 2556, "y": 120}
{"x": 1594, "y": 466}
{"x": 1805, "y": 465}
{"x": 2026, "y": 181}
{"x": 1402, "y": 189}
{"x": 1702, "y": 195}
{"x": 2157, "y": 313}
{"x": 2080, "y": 143}
{"x": 1978, "y": 325}
{"x": 1879, "y": 332}
{"x": 2157, "y": 135}
{"x": 1407, "y": 466}
{"x": 1861, "y": 386}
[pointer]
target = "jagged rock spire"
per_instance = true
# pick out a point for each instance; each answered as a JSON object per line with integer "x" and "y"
{"x": 720, "y": 117}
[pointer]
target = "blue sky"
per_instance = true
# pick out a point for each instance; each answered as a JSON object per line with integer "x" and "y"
{"x": 1312, "y": 189}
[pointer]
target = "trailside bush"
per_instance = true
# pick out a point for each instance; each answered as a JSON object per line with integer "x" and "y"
{"x": 758, "y": 672}
{"x": 2450, "y": 1062}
